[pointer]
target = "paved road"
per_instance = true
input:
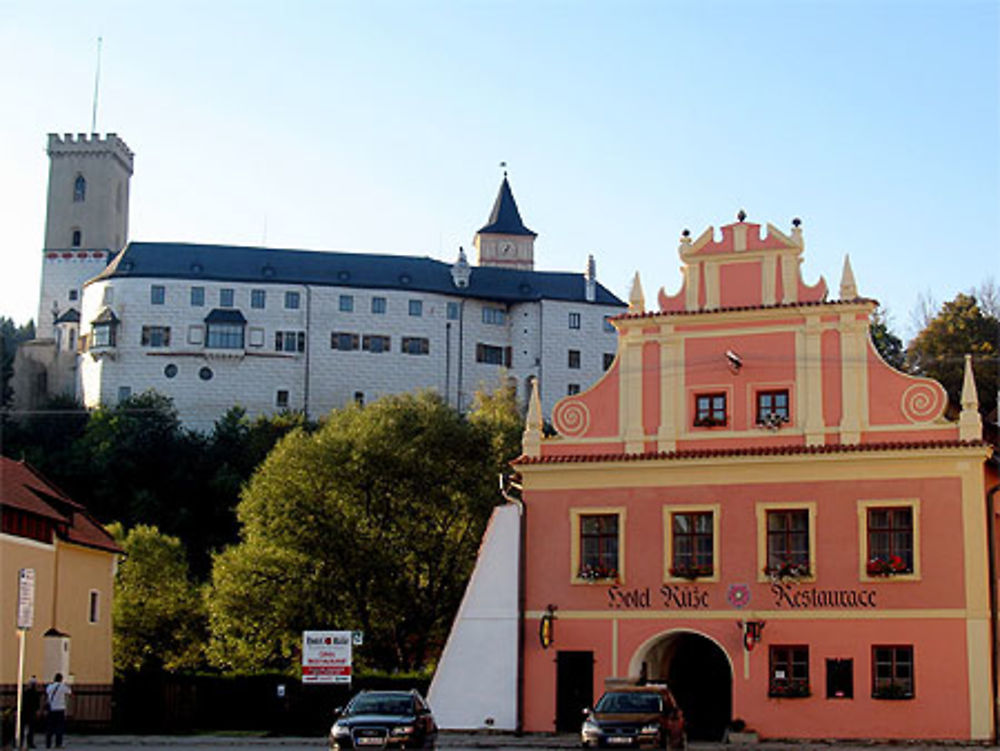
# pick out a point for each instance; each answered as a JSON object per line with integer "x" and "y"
{"x": 450, "y": 741}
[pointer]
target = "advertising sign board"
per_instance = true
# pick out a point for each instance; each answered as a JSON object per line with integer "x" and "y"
{"x": 326, "y": 656}
{"x": 25, "y": 598}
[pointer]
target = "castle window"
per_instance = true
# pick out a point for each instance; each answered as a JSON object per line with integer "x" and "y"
{"x": 375, "y": 343}
{"x": 94, "y": 607}
{"x": 452, "y": 311}
{"x": 79, "y": 189}
{"x": 124, "y": 392}
{"x": 292, "y": 300}
{"x": 73, "y": 295}
{"x": 574, "y": 320}
{"x": 609, "y": 357}
{"x": 347, "y": 303}
{"x": 343, "y": 340}
{"x": 378, "y": 306}
{"x": 77, "y": 239}
{"x": 103, "y": 329}
{"x": 104, "y": 335}
{"x": 289, "y": 341}
{"x": 225, "y": 329}
{"x": 281, "y": 399}
{"x": 606, "y": 325}
{"x": 415, "y": 345}
{"x": 494, "y": 316}
{"x": 416, "y": 308}
{"x": 227, "y": 297}
{"x": 572, "y": 389}
{"x": 155, "y": 336}
{"x": 573, "y": 359}
{"x": 359, "y": 398}
{"x": 492, "y": 354}
{"x": 258, "y": 298}
{"x": 197, "y": 296}
{"x": 157, "y": 294}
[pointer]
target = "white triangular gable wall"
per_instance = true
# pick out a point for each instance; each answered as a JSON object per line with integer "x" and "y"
{"x": 476, "y": 678}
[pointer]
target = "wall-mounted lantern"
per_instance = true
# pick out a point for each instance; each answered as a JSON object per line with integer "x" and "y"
{"x": 752, "y": 633}
{"x": 547, "y": 627}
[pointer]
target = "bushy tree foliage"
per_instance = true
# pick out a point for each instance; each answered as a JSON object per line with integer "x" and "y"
{"x": 11, "y": 335}
{"x": 158, "y": 614}
{"x": 887, "y": 344}
{"x": 371, "y": 523}
{"x": 938, "y": 351}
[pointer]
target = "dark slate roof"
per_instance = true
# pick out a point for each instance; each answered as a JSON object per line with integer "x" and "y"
{"x": 106, "y": 315}
{"x": 225, "y": 315}
{"x": 505, "y": 219}
{"x": 70, "y": 316}
{"x": 228, "y": 263}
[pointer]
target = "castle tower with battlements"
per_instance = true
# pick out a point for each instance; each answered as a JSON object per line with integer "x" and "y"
{"x": 86, "y": 221}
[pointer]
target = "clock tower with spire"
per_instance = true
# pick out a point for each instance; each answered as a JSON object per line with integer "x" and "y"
{"x": 505, "y": 241}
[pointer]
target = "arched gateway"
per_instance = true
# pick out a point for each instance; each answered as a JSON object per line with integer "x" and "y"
{"x": 699, "y": 674}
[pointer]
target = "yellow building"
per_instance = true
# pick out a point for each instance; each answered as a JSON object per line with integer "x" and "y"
{"x": 73, "y": 559}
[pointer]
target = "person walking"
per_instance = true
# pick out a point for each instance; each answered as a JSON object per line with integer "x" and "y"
{"x": 56, "y": 694}
{"x": 31, "y": 703}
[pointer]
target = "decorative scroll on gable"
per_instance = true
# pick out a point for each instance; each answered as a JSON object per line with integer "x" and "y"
{"x": 742, "y": 270}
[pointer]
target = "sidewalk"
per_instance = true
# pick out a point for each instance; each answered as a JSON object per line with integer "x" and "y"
{"x": 483, "y": 740}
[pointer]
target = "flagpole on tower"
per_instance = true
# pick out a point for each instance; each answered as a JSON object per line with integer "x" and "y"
{"x": 97, "y": 84}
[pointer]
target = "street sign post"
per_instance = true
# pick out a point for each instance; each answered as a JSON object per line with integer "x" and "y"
{"x": 25, "y": 619}
{"x": 326, "y": 656}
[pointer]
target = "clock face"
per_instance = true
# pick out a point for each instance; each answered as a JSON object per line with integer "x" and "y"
{"x": 506, "y": 249}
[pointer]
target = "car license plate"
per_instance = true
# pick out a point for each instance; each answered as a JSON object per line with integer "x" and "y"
{"x": 374, "y": 741}
{"x": 620, "y": 740}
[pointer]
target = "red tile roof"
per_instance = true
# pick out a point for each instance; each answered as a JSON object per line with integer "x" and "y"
{"x": 23, "y": 487}
{"x": 743, "y": 308}
{"x": 751, "y": 451}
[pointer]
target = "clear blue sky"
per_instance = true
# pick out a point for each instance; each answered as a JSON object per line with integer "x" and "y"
{"x": 379, "y": 126}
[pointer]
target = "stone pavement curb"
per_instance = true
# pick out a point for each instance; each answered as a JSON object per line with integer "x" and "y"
{"x": 452, "y": 739}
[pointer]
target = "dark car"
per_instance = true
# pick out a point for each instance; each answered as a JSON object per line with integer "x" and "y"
{"x": 378, "y": 719}
{"x": 634, "y": 716}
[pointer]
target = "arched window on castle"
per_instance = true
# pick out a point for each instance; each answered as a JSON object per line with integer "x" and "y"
{"x": 77, "y": 238}
{"x": 79, "y": 189}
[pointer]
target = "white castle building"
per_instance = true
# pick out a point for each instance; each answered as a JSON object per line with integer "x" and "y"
{"x": 212, "y": 326}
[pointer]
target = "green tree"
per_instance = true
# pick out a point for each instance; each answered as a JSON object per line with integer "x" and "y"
{"x": 887, "y": 344}
{"x": 158, "y": 614}
{"x": 372, "y": 522}
{"x": 11, "y": 335}
{"x": 938, "y": 351}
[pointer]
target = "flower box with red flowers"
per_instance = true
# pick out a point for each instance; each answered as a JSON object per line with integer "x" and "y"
{"x": 599, "y": 572}
{"x": 691, "y": 570}
{"x": 887, "y": 566}
{"x": 789, "y": 689}
{"x": 788, "y": 570}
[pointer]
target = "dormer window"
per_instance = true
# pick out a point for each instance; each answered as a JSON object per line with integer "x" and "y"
{"x": 79, "y": 189}
{"x": 225, "y": 329}
{"x": 104, "y": 329}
